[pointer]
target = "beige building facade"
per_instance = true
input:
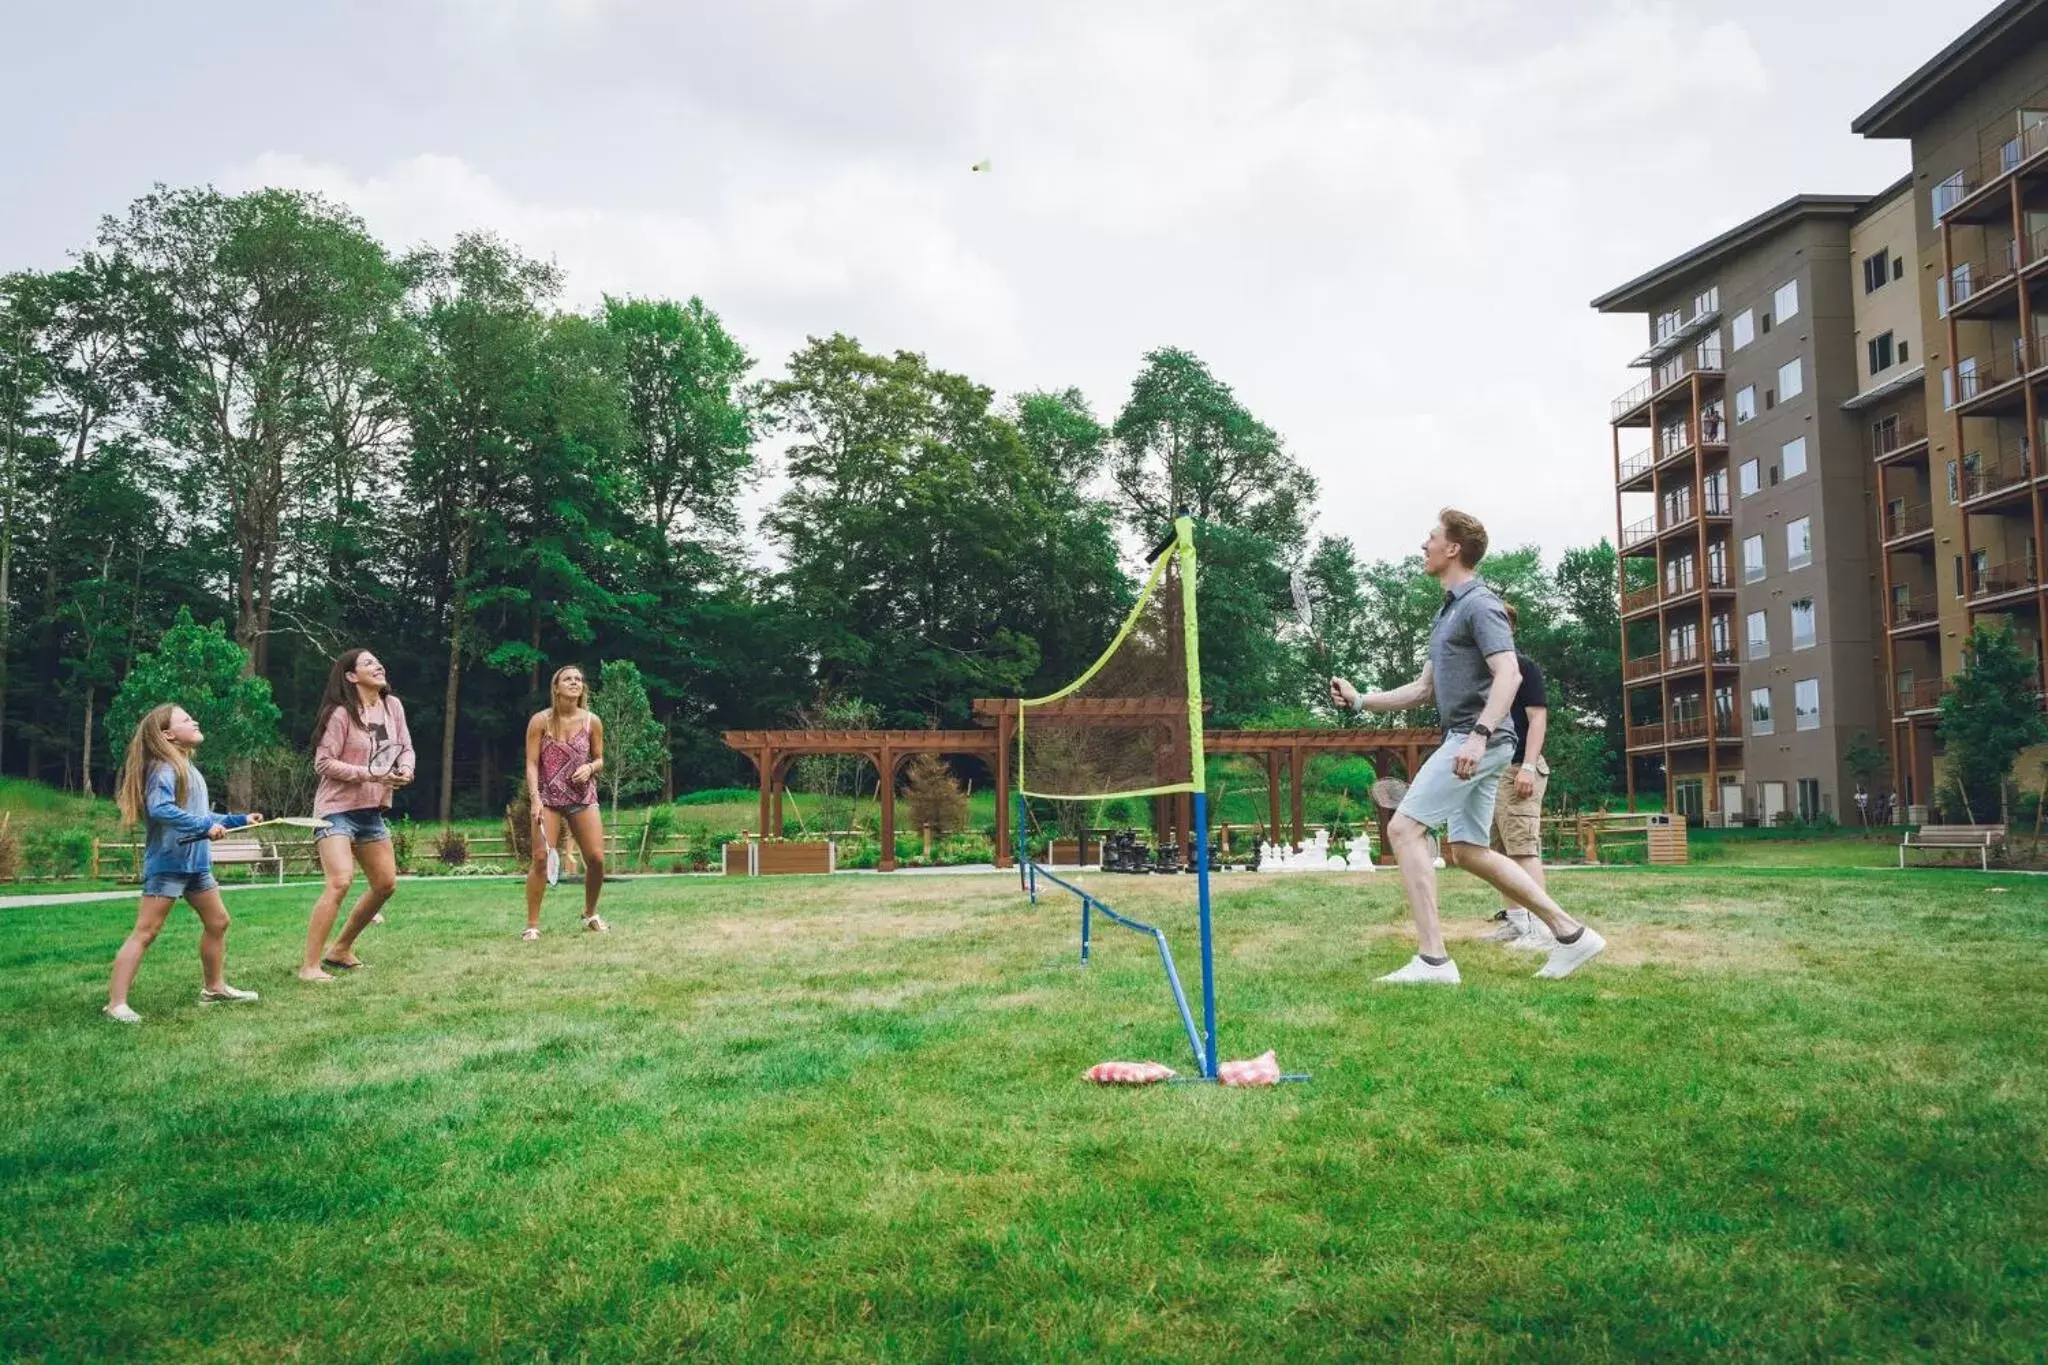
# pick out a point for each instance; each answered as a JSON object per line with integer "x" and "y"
{"x": 1830, "y": 471}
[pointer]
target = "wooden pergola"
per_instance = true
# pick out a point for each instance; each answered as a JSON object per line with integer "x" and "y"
{"x": 774, "y": 751}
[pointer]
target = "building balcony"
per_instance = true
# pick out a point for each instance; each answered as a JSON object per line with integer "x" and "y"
{"x": 1635, "y": 470}
{"x": 2010, "y": 579}
{"x": 1989, "y": 485}
{"x": 1642, "y": 668}
{"x": 1677, "y": 443}
{"x": 1898, "y": 440}
{"x": 1902, "y": 524}
{"x": 1984, "y": 384}
{"x": 1983, "y": 194}
{"x": 1633, "y": 407}
{"x": 1639, "y": 600}
{"x": 1706, "y": 311}
{"x": 1921, "y": 697}
{"x": 1912, "y": 614}
{"x": 1638, "y": 533}
{"x": 1646, "y": 736}
{"x": 1985, "y": 288}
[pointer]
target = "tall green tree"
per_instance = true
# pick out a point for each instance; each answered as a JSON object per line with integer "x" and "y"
{"x": 1992, "y": 713}
{"x": 201, "y": 669}
{"x": 242, "y": 308}
{"x": 1183, "y": 441}
{"x": 632, "y": 736}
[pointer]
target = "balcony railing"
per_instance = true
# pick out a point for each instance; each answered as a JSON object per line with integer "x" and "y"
{"x": 1900, "y": 522}
{"x": 1909, "y": 610}
{"x": 1719, "y": 505}
{"x": 1702, "y": 360}
{"x": 1645, "y": 736}
{"x": 1682, "y": 658}
{"x": 1638, "y": 599}
{"x": 1643, "y": 666}
{"x": 1724, "y": 654}
{"x": 1894, "y": 436}
{"x": 1638, "y": 532}
{"x": 1978, "y": 375}
{"x": 1635, "y": 466}
{"x": 2012, "y": 576}
{"x": 1923, "y": 695}
{"x": 1949, "y": 193}
{"x": 1967, "y": 279}
{"x": 1985, "y": 480}
{"x": 1689, "y": 728}
{"x": 1674, "y": 514}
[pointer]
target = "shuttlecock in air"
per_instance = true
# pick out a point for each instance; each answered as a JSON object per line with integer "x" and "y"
{"x": 982, "y": 165}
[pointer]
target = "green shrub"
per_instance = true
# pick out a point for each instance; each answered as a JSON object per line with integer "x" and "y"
{"x": 58, "y": 853}
{"x": 717, "y": 796}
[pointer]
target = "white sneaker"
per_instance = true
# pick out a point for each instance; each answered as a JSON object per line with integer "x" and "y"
{"x": 1514, "y": 924}
{"x": 226, "y": 995}
{"x": 1420, "y": 973}
{"x": 121, "y": 1014}
{"x": 1538, "y": 939}
{"x": 1569, "y": 957}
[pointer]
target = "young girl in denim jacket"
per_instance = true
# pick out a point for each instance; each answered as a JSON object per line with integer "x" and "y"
{"x": 159, "y": 784}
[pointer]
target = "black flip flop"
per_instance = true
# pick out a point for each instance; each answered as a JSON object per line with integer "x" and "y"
{"x": 342, "y": 966}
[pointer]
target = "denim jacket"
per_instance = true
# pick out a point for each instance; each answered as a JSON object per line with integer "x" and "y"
{"x": 170, "y": 822}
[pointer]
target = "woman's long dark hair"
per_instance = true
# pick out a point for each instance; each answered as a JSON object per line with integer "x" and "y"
{"x": 340, "y": 692}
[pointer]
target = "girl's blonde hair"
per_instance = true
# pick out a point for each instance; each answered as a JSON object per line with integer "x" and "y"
{"x": 147, "y": 747}
{"x": 555, "y": 692}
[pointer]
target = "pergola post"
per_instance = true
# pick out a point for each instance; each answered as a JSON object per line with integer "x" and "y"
{"x": 1006, "y": 735}
{"x": 885, "y": 764}
{"x": 1273, "y": 796}
{"x": 1294, "y": 790}
{"x": 775, "y": 787}
{"x": 765, "y": 762}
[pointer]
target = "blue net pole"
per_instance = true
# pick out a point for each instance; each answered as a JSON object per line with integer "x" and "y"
{"x": 1208, "y": 953}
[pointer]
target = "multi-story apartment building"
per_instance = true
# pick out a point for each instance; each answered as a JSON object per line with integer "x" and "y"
{"x": 1749, "y": 631}
{"x": 1840, "y": 479}
{"x": 1976, "y": 116}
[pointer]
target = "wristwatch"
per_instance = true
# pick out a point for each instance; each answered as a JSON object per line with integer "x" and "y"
{"x": 1482, "y": 729}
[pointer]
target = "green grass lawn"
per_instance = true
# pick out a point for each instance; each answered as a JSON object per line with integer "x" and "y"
{"x": 1788, "y": 1115}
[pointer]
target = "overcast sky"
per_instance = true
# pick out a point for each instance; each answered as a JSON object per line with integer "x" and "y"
{"x": 1379, "y": 222}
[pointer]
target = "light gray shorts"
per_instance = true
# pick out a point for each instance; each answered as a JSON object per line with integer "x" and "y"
{"x": 1440, "y": 799}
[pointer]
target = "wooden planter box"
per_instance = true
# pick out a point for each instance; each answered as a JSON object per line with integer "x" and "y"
{"x": 739, "y": 858}
{"x": 784, "y": 858}
{"x": 1074, "y": 852}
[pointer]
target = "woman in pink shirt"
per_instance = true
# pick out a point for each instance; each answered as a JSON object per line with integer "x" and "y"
{"x": 564, "y": 754}
{"x": 362, "y": 752}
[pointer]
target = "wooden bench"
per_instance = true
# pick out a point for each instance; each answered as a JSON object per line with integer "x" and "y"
{"x": 1663, "y": 835}
{"x": 1982, "y": 838}
{"x": 253, "y": 852}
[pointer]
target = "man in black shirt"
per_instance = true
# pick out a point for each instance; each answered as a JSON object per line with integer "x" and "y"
{"x": 1518, "y": 808}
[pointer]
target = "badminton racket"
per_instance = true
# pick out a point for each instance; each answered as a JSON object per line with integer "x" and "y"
{"x": 554, "y": 854}
{"x": 301, "y": 821}
{"x": 1305, "y": 615}
{"x": 384, "y": 758}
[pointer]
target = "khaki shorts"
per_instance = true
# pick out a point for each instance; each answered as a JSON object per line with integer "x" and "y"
{"x": 1518, "y": 820}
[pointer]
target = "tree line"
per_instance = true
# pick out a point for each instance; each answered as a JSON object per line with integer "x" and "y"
{"x": 247, "y": 409}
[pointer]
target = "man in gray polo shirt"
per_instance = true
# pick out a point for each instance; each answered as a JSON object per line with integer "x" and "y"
{"x": 1472, "y": 675}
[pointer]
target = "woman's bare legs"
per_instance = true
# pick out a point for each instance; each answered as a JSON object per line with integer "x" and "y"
{"x": 588, "y": 827}
{"x": 149, "y": 922}
{"x": 338, "y": 863}
{"x": 380, "y": 866}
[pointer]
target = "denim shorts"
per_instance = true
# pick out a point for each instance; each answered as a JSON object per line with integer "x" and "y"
{"x": 566, "y": 811}
{"x": 178, "y": 884}
{"x": 365, "y": 826}
{"x": 1440, "y": 799}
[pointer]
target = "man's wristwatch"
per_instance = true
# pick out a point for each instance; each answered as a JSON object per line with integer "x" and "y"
{"x": 1482, "y": 729}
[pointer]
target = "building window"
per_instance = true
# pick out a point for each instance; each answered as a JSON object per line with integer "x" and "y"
{"x": 1759, "y": 636}
{"x": 1799, "y": 543}
{"x": 1877, "y": 272}
{"x": 1785, "y": 303}
{"x": 1954, "y": 487}
{"x": 1806, "y": 704}
{"x": 1809, "y": 799}
{"x": 1880, "y": 348}
{"x": 1802, "y": 624}
{"x": 1759, "y": 710}
{"x": 1745, "y": 404}
{"x": 1746, "y": 476}
{"x": 1903, "y": 357}
{"x": 1793, "y": 454}
{"x": 1742, "y": 330}
{"x": 1898, "y": 267}
{"x": 1753, "y": 559}
{"x": 1791, "y": 381}
{"x": 1959, "y": 566}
